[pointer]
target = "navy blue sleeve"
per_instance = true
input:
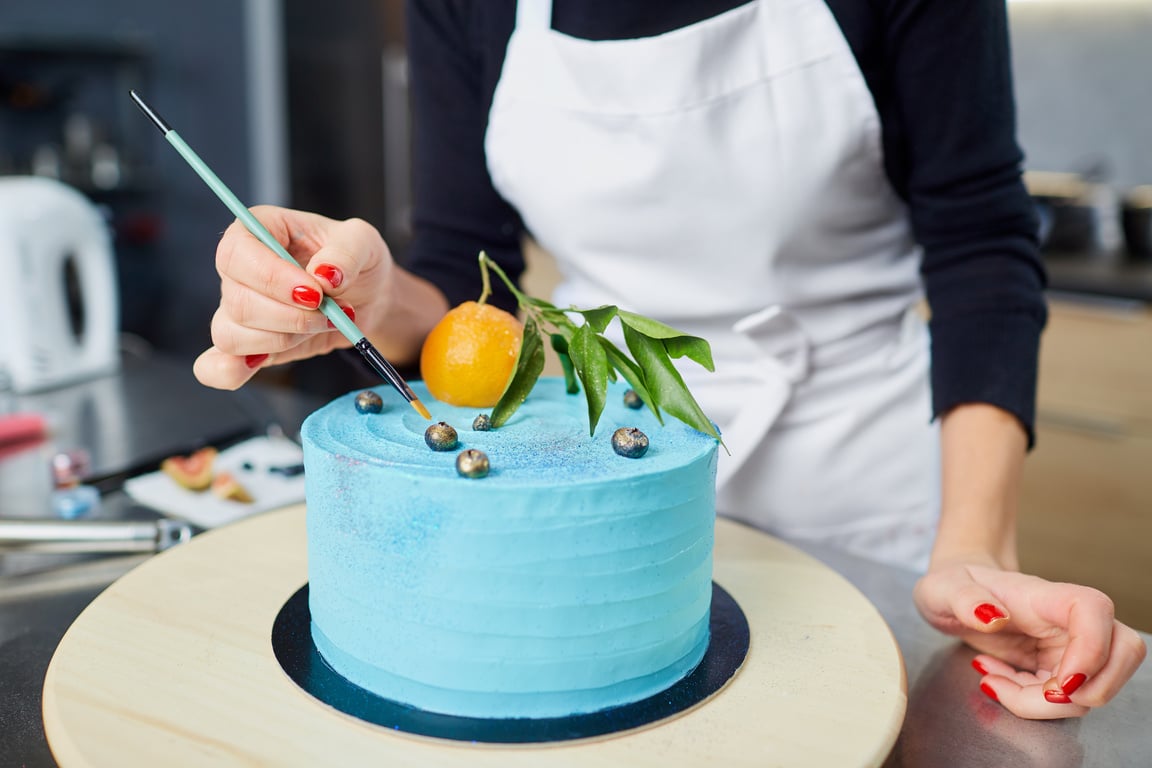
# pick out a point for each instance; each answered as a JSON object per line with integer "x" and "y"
{"x": 456, "y": 211}
{"x": 950, "y": 144}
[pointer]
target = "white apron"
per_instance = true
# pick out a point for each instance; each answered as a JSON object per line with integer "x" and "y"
{"x": 727, "y": 178}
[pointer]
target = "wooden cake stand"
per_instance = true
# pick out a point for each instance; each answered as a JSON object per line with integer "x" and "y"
{"x": 173, "y": 665}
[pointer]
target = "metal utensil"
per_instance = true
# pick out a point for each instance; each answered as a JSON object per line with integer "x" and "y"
{"x": 71, "y": 536}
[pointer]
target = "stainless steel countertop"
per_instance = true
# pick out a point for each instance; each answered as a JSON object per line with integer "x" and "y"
{"x": 154, "y": 408}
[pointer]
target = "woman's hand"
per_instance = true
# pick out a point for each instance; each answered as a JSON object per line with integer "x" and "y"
{"x": 1048, "y": 650}
{"x": 267, "y": 312}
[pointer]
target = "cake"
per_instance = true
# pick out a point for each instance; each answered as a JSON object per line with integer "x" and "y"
{"x": 568, "y": 580}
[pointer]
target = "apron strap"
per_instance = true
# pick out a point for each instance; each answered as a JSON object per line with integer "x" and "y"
{"x": 534, "y": 14}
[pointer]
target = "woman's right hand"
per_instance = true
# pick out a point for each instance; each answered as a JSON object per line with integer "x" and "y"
{"x": 267, "y": 312}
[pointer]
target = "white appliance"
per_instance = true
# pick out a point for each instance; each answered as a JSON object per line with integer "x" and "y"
{"x": 59, "y": 305}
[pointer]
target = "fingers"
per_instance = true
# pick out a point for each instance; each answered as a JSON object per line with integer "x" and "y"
{"x": 1021, "y": 693}
{"x": 248, "y": 322}
{"x": 245, "y": 262}
{"x": 1092, "y": 655}
{"x": 1098, "y": 686}
{"x": 1046, "y": 695}
{"x": 1028, "y": 700}
{"x": 1089, "y": 618}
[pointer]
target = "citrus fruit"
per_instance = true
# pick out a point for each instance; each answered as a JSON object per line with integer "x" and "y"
{"x": 470, "y": 355}
{"x": 226, "y": 486}
{"x": 192, "y": 472}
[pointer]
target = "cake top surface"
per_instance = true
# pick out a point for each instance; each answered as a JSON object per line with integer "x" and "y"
{"x": 545, "y": 441}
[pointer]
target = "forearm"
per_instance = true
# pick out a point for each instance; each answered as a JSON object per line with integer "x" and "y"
{"x": 983, "y": 450}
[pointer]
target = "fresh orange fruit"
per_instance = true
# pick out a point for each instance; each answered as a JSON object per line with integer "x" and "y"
{"x": 469, "y": 357}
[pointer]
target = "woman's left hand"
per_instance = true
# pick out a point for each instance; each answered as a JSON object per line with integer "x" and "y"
{"x": 1048, "y": 650}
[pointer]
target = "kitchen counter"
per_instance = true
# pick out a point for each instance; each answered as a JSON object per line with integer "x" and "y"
{"x": 949, "y": 721}
{"x": 1101, "y": 275}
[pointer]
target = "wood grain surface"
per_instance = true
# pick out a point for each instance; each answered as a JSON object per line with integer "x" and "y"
{"x": 172, "y": 665}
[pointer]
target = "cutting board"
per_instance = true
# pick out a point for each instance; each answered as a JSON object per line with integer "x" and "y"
{"x": 173, "y": 665}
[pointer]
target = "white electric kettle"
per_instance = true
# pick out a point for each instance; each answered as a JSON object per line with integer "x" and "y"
{"x": 59, "y": 306}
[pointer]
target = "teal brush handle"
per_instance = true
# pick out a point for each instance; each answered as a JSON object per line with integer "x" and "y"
{"x": 329, "y": 307}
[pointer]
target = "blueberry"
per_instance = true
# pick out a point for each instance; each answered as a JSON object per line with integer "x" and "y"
{"x": 482, "y": 423}
{"x": 369, "y": 402}
{"x": 472, "y": 463}
{"x": 632, "y": 400}
{"x": 441, "y": 437}
{"x": 630, "y": 442}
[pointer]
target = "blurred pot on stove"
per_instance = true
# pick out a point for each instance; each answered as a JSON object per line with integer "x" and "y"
{"x": 1076, "y": 216}
{"x": 1136, "y": 220}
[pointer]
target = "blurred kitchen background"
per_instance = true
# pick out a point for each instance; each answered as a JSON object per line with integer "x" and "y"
{"x": 303, "y": 103}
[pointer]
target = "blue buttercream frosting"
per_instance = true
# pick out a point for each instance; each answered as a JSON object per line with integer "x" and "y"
{"x": 568, "y": 580}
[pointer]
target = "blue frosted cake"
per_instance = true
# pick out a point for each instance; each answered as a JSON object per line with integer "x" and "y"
{"x": 568, "y": 580}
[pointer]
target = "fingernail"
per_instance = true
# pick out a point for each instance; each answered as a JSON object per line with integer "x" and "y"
{"x": 306, "y": 297}
{"x": 989, "y": 692}
{"x": 988, "y": 613}
{"x": 351, "y": 313}
{"x": 1057, "y": 697}
{"x": 254, "y": 361}
{"x": 330, "y": 273}
{"x": 976, "y": 665}
{"x": 1072, "y": 683}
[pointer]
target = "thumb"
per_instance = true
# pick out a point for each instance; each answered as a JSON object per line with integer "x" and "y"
{"x": 954, "y": 601}
{"x": 977, "y": 608}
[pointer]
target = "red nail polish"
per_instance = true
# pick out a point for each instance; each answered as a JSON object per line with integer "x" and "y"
{"x": 330, "y": 273}
{"x": 1057, "y": 697}
{"x": 989, "y": 613}
{"x": 989, "y": 692}
{"x": 254, "y": 361}
{"x": 306, "y": 297}
{"x": 1072, "y": 683}
{"x": 976, "y": 665}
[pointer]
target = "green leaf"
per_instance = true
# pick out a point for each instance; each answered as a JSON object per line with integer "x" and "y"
{"x": 560, "y": 347}
{"x": 692, "y": 347}
{"x": 664, "y": 381}
{"x": 528, "y": 367}
{"x": 678, "y": 343}
{"x": 632, "y": 374}
{"x": 592, "y": 367}
{"x": 600, "y": 317}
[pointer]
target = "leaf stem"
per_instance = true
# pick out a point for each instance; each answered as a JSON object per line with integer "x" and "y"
{"x": 486, "y": 285}
{"x": 485, "y": 264}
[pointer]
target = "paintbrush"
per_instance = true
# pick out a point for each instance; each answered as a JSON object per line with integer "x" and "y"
{"x": 330, "y": 308}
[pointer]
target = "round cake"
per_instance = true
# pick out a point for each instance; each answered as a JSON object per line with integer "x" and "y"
{"x": 568, "y": 580}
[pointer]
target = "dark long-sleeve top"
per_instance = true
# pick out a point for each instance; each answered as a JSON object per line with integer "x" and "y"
{"x": 939, "y": 72}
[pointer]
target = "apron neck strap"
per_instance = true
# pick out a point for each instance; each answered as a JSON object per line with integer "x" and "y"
{"x": 534, "y": 14}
